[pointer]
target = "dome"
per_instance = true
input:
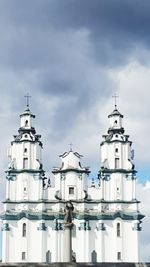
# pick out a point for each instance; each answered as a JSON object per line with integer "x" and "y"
{"x": 115, "y": 113}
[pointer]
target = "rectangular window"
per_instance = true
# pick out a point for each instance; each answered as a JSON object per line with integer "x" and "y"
{"x": 23, "y": 255}
{"x": 24, "y": 228}
{"x": 118, "y": 255}
{"x": 25, "y": 163}
{"x": 71, "y": 190}
{"x": 116, "y": 163}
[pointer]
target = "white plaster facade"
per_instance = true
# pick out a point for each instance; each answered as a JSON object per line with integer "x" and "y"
{"x": 106, "y": 218}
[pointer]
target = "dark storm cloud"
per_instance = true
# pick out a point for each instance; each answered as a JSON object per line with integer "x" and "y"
{"x": 108, "y": 17}
{"x": 116, "y": 26}
{"x": 113, "y": 24}
{"x": 101, "y": 16}
{"x": 63, "y": 48}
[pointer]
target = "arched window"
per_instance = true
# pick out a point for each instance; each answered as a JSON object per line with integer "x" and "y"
{"x": 26, "y": 123}
{"x": 118, "y": 229}
{"x": 24, "y": 230}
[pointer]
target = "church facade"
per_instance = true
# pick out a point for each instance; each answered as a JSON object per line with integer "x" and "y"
{"x": 105, "y": 220}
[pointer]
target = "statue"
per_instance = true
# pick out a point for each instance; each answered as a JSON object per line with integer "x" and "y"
{"x": 68, "y": 214}
{"x": 68, "y": 224}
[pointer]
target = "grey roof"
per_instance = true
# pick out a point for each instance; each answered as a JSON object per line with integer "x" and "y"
{"x": 115, "y": 113}
{"x": 27, "y": 112}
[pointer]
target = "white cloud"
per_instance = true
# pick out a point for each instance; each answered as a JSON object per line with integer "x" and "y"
{"x": 133, "y": 87}
{"x": 79, "y": 112}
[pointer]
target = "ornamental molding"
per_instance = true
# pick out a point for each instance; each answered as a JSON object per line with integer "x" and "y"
{"x": 137, "y": 227}
{"x": 115, "y": 141}
{"x": 87, "y": 217}
{"x": 5, "y": 227}
{"x": 62, "y": 176}
{"x": 86, "y": 201}
{"x": 85, "y": 226}
{"x": 70, "y": 170}
{"x": 41, "y": 227}
{"x": 11, "y": 177}
{"x": 101, "y": 227}
{"x": 17, "y": 171}
{"x": 104, "y": 171}
{"x": 57, "y": 226}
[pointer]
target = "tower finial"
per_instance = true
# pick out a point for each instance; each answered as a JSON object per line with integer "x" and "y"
{"x": 71, "y": 145}
{"x": 115, "y": 96}
{"x": 27, "y": 99}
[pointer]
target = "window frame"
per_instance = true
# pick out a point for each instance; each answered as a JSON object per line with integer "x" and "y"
{"x": 24, "y": 230}
{"x": 119, "y": 255}
{"x": 117, "y": 162}
{"x": 25, "y": 163}
{"x": 23, "y": 255}
{"x": 71, "y": 188}
{"x": 118, "y": 230}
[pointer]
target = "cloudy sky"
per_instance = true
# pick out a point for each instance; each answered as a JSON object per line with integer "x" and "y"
{"x": 72, "y": 56}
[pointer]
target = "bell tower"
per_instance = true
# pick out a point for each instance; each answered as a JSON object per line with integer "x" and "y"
{"x": 118, "y": 186}
{"x": 24, "y": 195}
{"x": 25, "y": 170}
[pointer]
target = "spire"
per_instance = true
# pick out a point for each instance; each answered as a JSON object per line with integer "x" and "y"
{"x": 115, "y": 96}
{"x": 26, "y": 117}
{"x": 27, "y": 100}
{"x": 71, "y": 145}
{"x": 27, "y": 111}
{"x": 115, "y": 118}
{"x": 115, "y": 111}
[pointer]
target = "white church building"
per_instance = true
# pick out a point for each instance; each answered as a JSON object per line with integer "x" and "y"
{"x": 105, "y": 219}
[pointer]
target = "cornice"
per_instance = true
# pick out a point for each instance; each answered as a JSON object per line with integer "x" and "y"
{"x": 86, "y": 201}
{"x": 71, "y": 170}
{"x": 80, "y": 216}
{"x": 104, "y": 170}
{"x": 115, "y": 141}
{"x": 16, "y": 171}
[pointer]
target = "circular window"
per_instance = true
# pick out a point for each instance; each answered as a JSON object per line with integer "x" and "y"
{"x": 26, "y": 136}
{"x": 116, "y": 135}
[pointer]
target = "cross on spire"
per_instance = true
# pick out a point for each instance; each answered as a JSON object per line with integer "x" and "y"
{"x": 71, "y": 145}
{"x": 27, "y": 99}
{"x": 115, "y": 96}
